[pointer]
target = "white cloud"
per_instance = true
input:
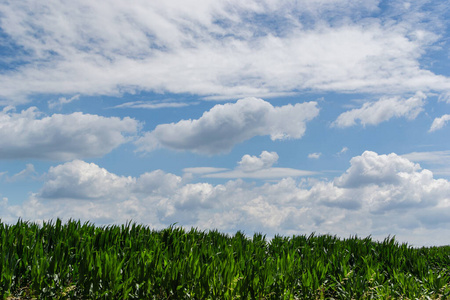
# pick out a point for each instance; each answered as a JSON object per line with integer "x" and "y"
{"x": 157, "y": 182}
{"x": 203, "y": 170}
{"x": 153, "y": 104}
{"x": 193, "y": 196}
{"x": 437, "y": 161}
{"x": 220, "y": 128}
{"x": 444, "y": 97}
{"x": 29, "y": 171}
{"x": 373, "y": 113}
{"x": 315, "y": 155}
{"x": 268, "y": 173}
{"x": 215, "y": 48}
{"x": 61, "y": 101}
{"x": 343, "y": 150}
{"x": 429, "y": 156}
{"x": 81, "y": 180}
{"x": 371, "y": 168}
{"x": 60, "y": 137}
{"x": 251, "y": 163}
{"x": 392, "y": 197}
{"x": 254, "y": 167}
{"x": 387, "y": 187}
{"x": 438, "y": 123}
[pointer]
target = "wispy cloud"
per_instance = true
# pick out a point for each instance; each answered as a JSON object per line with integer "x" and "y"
{"x": 373, "y": 113}
{"x": 61, "y": 101}
{"x": 154, "y": 104}
{"x": 269, "y": 173}
{"x": 444, "y": 97}
{"x": 29, "y": 171}
{"x": 435, "y": 157}
{"x": 256, "y": 167}
{"x": 438, "y": 123}
{"x": 315, "y": 155}
{"x": 203, "y": 170}
{"x": 436, "y": 161}
{"x": 343, "y": 150}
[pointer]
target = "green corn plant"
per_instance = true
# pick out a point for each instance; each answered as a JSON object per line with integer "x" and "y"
{"x": 78, "y": 261}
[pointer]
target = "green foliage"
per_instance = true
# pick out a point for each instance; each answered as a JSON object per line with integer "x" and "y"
{"x": 81, "y": 261}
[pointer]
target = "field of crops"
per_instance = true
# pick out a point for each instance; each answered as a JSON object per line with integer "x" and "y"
{"x": 82, "y": 261}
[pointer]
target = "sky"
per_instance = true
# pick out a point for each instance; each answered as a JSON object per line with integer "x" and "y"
{"x": 276, "y": 117}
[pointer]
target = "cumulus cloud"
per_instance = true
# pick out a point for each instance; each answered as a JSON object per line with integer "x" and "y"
{"x": 373, "y": 113}
{"x": 224, "y": 126}
{"x": 371, "y": 168}
{"x": 216, "y": 49}
{"x": 157, "y": 182}
{"x": 438, "y": 123}
{"x": 379, "y": 195}
{"x": 81, "y": 180}
{"x": 390, "y": 184}
{"x": 28, "y": 134}
{"x": 265, "y": 160}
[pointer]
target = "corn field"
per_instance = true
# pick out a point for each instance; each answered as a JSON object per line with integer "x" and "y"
{"x": 82, "y": 261}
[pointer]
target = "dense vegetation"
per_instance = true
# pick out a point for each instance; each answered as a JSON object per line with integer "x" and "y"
{"x": 82, "y": 261}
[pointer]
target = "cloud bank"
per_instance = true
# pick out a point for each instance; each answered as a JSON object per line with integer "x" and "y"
{"x": 378, "y": 195}
{"x": 217, "y": 49}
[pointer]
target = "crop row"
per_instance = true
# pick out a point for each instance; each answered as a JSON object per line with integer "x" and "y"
{"x": 82, "y": 261}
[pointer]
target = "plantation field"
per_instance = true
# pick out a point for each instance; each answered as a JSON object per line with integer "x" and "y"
{"x": 82, "y": 261}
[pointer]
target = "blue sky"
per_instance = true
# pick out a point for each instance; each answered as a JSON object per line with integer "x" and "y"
{"x": 282, "y": 117}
